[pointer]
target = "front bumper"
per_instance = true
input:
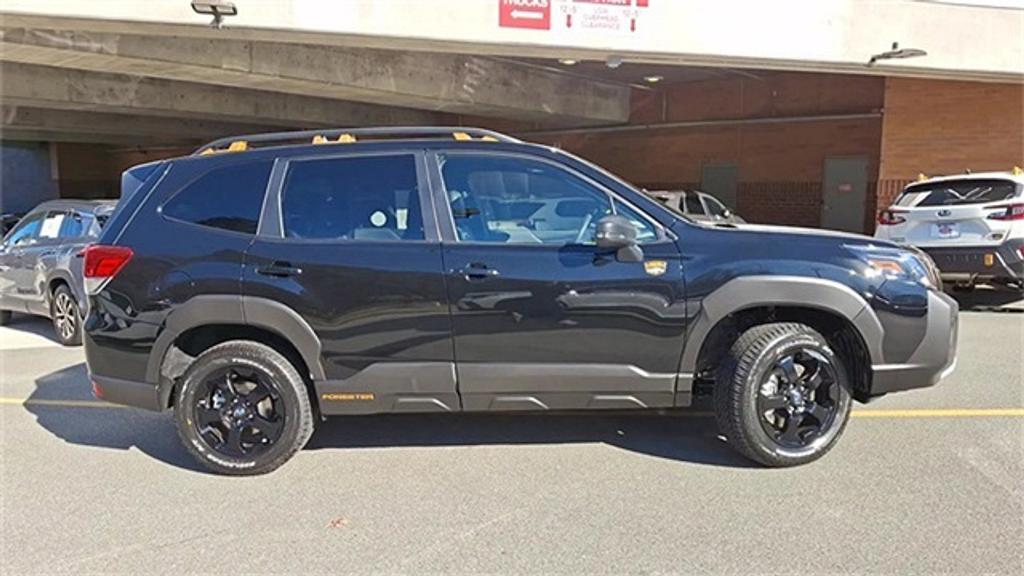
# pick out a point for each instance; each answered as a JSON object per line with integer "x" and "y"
{"x": 935, "y": 356}
{"x": 974, "y": 262}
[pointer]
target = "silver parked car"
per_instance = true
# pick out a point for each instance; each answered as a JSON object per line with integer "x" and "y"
{"x": 698, "y": 205}
{"x": 41, "y": 264}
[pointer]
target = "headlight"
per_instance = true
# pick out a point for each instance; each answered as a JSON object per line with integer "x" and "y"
{"x": 907, "y": 264}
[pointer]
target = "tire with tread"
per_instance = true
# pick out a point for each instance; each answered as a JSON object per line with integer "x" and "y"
{"x": 739, "y": 377}
{"x": 75, "y": 339}
{"x": 298, "y": 414}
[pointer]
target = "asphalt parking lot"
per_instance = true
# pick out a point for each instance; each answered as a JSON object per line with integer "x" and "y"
{"x": 925, "y": 482}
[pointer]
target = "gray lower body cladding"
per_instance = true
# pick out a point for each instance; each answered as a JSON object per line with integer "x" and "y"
{"x": 935, "y": 355}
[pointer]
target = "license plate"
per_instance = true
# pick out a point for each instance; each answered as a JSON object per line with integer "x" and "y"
{"x": 946, "y": 230}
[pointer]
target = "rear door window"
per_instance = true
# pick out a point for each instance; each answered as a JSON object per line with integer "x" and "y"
{"x": 692, "y": 205}
{"x": 228, "y": 198}
{"x": 368, "y": 198}
{"x": 957, "y": 192}
{"x": 76, "y": 225}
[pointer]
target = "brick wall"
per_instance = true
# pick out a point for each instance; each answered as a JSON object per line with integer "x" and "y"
{"x": 943, "y": 127}
{"x": 780, "y": 165}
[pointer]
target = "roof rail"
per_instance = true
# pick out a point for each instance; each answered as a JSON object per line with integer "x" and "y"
{"x": 349, "y": 135}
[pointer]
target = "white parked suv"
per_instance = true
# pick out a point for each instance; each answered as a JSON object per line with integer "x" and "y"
{"x": 972, "y": 225}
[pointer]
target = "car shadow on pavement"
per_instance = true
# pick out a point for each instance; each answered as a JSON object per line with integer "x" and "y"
{"x": 684, "y": 435}
{"x": 677, "y": 435}
{"x": 32, "y": 325}
{"x": 54, "y": 403}
{"x": 985, "y": 299}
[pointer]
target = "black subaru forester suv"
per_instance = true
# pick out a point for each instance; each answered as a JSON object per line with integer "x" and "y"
{"x": 268, "y": 281}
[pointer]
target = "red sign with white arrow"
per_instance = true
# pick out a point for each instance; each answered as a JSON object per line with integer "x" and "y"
{"x": 533, "y": 14}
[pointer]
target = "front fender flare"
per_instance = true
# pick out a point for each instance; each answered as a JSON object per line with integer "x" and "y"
{"x": 755, "y": 291}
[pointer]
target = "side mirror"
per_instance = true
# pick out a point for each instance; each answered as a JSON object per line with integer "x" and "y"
{"x": 618, "y": 233}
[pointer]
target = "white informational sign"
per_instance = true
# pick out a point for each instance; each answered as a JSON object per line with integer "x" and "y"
{"x": 51, "y": 226}
{"x": 574, "y": 16}
{"x": 599, "y": 16}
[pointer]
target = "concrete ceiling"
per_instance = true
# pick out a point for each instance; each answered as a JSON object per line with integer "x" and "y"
{"x": 224, "y": 86}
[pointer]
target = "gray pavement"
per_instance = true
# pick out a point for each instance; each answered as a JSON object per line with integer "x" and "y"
{"x": 87, "y": 488}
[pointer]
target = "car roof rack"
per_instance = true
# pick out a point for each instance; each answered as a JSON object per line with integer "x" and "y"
{"x": 349, "y": 136}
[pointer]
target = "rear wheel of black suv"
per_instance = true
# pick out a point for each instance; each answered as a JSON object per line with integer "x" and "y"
{"x": 242, "y": 409}
{"x": 782, "y": 395}
{"x": 66, "y": 317}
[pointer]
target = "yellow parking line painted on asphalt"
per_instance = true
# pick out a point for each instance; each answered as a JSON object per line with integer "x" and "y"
{"x": 941, "y": 413}
{"x": 58, "y": 403}
{"x": 881, "y": 414}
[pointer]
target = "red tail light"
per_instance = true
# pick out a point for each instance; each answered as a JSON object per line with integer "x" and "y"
{"x": 891, "y": 217}
{"x": 103, "y": 263}
{"x": 1009, "y": 212}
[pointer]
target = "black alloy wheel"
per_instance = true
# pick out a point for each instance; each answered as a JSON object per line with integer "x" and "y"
{"x": 782, "y": 395}
{"x": 242, "y": 408}
{"x": 238, "y": 413}
{"x": 799, "y": 400}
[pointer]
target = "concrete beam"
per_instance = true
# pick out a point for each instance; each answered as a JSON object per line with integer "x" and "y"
{"x": 455, "y": 83}
{"x": 68, "y": 125}
{"x": 67, "y": 89}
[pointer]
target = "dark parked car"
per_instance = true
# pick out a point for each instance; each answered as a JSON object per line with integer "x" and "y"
{"x": 266, "y": 281}
{"x": 699, "y": 206}
{"x": 41, "y": 263}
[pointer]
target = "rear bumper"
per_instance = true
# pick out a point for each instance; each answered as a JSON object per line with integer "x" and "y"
{"x": 934, "y": 358}
{"x": 973, "y": 262}
{"x": 126, "y": 392}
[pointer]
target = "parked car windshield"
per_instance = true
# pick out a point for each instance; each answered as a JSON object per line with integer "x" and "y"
{"x": 957, "y": 192}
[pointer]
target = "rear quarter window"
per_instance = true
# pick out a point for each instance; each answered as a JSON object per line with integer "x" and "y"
{"x": 227, "y": 198}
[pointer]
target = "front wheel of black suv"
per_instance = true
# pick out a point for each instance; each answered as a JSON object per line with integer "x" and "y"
{"x": 66, "y": 317}
{"x": 782, "y": 395}
{"x": 242, "y": 409}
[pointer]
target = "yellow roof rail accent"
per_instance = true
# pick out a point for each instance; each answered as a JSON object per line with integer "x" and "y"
{"x": 318, "y": 139}
{"x": 208, "y": 151}
{"x": 1017, "y": 171}
{"x": 489, "y": 139}
{"x": 461, "y": 136}
{"x": 922, "y": 177}
{"x": 346, "y": 139}
{"x": 238, "y": 146}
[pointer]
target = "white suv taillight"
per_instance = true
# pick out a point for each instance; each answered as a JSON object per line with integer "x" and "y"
{"x": 103, "y": 263}
{"x": 891, "y": 217}
{"x": 1009, "y": 212}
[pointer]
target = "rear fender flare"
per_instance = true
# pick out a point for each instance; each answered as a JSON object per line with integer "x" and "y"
{"x": 233, "y": 309}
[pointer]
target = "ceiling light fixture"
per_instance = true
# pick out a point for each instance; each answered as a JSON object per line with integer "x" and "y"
{"x": 653, "y": 79}
{"x": 568, "y": 61}
{"x": 613, "y": 62}
{"x": 897, "y": 53}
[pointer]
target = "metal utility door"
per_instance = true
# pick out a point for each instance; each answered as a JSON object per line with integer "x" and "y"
{"x": 845, "y": 194}
{"x": 719, "y": 180}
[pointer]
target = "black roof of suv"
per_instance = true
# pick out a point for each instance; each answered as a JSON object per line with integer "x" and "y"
{"x": 267, "y": 279}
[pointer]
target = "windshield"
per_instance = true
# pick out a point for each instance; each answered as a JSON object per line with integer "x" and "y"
{"x": 957, "y": 192}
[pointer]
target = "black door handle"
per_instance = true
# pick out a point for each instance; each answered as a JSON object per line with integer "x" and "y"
{"x": 279, "y": 270}
{"x": 477, "y": 271}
